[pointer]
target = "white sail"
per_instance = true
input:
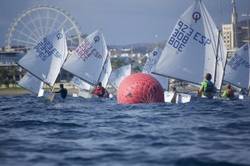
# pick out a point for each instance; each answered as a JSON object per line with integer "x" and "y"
{"x": 46, "y": 58}
{"x": 119, "y": 74}
{"x": 85, "y": 87}
{"x": 106, "y": 72}
{"x": 152, "y": 60}
{"x": 150, "y": 66}
{"x": 86, "y": 62}
{"x": 32, "y": 84}
{"x": 80, "y": 83}
{"x": 213, "y": 65}
{"x": 191, "y": 50}
{"x": 238, "y": 68}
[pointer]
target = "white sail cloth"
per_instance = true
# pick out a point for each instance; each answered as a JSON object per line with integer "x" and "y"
{"x": 119, "y": 74}
{"x": 46, "y": 59}
{"x": 192, "y": 48}
{"x": 80, "y": 83}
{"x": 238, "y": 68}
{"x": 107, "y": 69}
{"x": 87, "y": 60}
{"x": 150, "y": 66}
{"x": 32, "y": 84}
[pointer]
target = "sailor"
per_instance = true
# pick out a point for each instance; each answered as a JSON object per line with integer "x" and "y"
{"x": 207, "y": 87}
{"x": 100, "y": 91}
{"x": 63, "y": 92}
{"x": 229, "y": 92}
{"x": 173, "y": 100}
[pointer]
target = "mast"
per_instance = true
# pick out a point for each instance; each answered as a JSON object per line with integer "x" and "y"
{"x": 224, "y": 72}
{"x": 216, "y": 55}
{"x": 234, "y": 20}
{"x": 248, "y": 44}
{"x": 103, "y": 66}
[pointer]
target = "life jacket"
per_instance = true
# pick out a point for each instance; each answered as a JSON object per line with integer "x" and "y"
{"x": 99, "y": 91}
{"x": 63, "y": 93}
{"x": 230, "y": 93}
{"x": 208, "y": 87}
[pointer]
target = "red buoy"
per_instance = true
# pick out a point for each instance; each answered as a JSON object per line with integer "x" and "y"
{"x": 140, "y": 88}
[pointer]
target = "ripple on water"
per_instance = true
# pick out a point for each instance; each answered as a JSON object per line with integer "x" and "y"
{"x": 34, "y": 131}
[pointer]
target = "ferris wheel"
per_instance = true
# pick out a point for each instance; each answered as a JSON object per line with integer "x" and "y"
{"x": 34, "y": 24}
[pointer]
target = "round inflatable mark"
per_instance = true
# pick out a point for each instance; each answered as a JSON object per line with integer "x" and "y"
{"x": 140, "y": 88}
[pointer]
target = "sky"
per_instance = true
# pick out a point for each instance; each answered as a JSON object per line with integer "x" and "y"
{"x": 123, "y": 21}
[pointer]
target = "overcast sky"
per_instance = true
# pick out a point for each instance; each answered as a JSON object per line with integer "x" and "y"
{"x": 123, "y": 21}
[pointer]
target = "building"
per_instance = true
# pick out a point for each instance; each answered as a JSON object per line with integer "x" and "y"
{"x": 244, "y": 32}
{"x": 230, "y": 31}
{"x": 228, "y": 36}
{"x": 9, "y": 71}
{"x": 242, "y": 35}
{"x": 9, "y": 58}
{"x": 237, "y": 32}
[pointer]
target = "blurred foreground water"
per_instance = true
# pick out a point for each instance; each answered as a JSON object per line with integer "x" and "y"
{"x": 100, "y": 132}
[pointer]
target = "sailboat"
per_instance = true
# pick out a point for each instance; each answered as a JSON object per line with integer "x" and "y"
{"x": 87, "y": 61}
{"x": 194, "y": 48}
{"x": 47, "y": 57}
{"x": 85, "y": 88}
{"x": 168, "y": 95}
{"x": 237, "y": 70}
{"x": 44, "y": 61}
{"x": 119, "y": 74}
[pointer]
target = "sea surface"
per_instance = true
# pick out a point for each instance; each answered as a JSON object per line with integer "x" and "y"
{"x": 36, "y": 132}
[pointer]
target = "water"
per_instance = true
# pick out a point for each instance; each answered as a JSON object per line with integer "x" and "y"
{"x": 34, "y": 132}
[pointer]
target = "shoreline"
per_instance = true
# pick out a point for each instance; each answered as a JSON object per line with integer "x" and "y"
{"x": 13, "y": 91}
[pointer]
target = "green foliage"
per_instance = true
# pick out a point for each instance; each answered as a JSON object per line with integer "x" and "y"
{"x": 117, "y": 62}
{"x": 9, "y": 75}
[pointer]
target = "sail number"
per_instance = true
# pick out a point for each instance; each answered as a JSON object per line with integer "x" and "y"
{"x": 237, "y": 61}
{"x": 181, "y": 35}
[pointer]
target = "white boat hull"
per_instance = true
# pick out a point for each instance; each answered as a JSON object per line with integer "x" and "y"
{"x": 180, "y": 98}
